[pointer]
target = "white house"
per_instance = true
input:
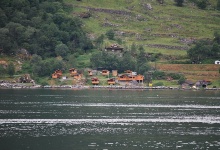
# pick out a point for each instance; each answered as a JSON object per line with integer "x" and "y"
{"x": 217, "y": 62}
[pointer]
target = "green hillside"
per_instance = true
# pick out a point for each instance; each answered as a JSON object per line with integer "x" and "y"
{"x": 40, "y": 36}
{"x": 160, "y": 28}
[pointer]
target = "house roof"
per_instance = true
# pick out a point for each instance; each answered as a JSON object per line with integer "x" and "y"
{"x": 114, "y": 47}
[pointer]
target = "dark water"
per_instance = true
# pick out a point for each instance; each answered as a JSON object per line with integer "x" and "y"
{"x": 109, "y": 119}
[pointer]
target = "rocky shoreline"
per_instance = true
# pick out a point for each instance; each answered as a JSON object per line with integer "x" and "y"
{"x": 117, "y": 87}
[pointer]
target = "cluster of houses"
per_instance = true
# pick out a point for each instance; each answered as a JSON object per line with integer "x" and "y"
{"x": 73, "y": 73}
{"x": 200, "y": 83}
{"x": 127, "y": 77}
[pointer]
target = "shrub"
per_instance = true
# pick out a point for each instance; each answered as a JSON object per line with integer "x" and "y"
{"x": 159, "y": 84}
{"x": 179, "y": 2}
{"x": 159, "y": 75}
{"x": 202, "y": 4}
{"x": 110, "y": 34}
{"x": 175, "y": 76}
{"x": 182, "y": 80}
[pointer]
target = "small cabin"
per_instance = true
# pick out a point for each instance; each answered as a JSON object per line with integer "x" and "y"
{"x": 57, "y": 74}
{"x": 127, "y": 77}
{"x": 111, "y": 81}
{"x": 105, "y": 72}
{"x": 95, "y": 81}
{"x": 217, "y": 62}
{"x": 131, "y": 78}
{"x": 129, "y": 72}
{"x": 114, "y": 73}
{"x": 114, "y": 48}
{"x": 123, "y": 77}
{"x": 139, "y": 78}
{"x": 54, "y": 76}
{"x": 77, "y": 76}
{"x": 90, "y": 72}
{"x": 202, "y": 83}
{"x": 73, "y": 72}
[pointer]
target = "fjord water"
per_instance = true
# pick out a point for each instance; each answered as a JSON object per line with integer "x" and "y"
{"x": 109, "y": 119}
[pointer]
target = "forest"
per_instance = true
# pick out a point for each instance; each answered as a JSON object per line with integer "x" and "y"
{"x": 41, "y": 27}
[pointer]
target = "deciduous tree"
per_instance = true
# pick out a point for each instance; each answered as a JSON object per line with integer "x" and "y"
{"x": 11, "y": 69}
{"x": 179, "y": 2}
{"x": 218, "y": 5}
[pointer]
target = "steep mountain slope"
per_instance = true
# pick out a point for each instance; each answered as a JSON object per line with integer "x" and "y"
{"x": 160, "y": 28}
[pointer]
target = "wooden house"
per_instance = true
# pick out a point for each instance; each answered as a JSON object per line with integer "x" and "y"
{"x": 111, "y": 81}
{"x": 95, "y": 81}
{"x": 127, "y": 77}
{"x": 105, "y": 72}
{"x": 57, "y": 74}
{"x": 114, "y": 48}
{"x": 114, "y": 73}
{"x": 129, "y": 72}
{"x": 54, "y": 76}
{"x": 73, "y": 72}
{"x": 139, "y": 78}
{"x": 77, "y": 76}
{"x": 123, "y": 77}
{"x": 90, "y": 72}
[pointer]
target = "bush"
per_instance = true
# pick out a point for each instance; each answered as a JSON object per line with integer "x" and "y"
{"x": 2, "y": 70}
{"x": 159, "y": 84}
{"x": 110, "y": 34}
{"x": 179, "y": 2}
{"x": 11, "y": 69}
{"x": 182, "y": 80}
{"x": 202, "y": 4}
{"x": 159, "y": 75}
{"x": 175, "y": 76}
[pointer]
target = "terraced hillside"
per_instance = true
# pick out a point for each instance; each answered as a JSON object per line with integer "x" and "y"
{"x": 194, "y": 72}
{"x": 160, "y": 28}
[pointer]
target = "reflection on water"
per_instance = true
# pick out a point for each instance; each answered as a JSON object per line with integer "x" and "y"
{"x": 93, "y": 119}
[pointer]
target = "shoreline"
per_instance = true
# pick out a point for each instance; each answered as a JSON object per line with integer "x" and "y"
{"x": 108, "y": 87}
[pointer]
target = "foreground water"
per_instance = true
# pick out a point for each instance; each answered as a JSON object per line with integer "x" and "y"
{"x": 109, "y": 119}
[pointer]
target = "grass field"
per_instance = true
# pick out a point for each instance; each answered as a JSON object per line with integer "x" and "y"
{"x": 164, "y": 24}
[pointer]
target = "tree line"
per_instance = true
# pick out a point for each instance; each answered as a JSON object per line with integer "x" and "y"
{"x": 41, "y": 27}
{"x": 201, "y": 4}
{"x": 205, "y": 51}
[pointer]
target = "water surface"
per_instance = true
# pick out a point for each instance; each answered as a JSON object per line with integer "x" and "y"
{"x": 109, "y": 119}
